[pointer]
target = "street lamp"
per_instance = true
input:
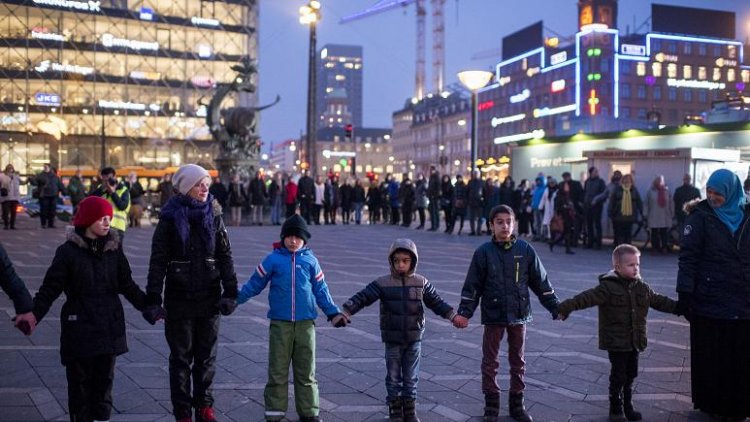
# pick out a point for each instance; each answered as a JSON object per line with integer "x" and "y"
{"x": 310, "y": 15}
{"x": 473, "y": 80}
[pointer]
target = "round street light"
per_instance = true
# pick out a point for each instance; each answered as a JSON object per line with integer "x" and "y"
{"x": 474, "y": 80}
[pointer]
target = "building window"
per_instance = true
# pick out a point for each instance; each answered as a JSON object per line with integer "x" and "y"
{"x": 340, "y": 77}
{"x": 655, "y": 45}
{"x": 656, "y": 69}
{"x": 625, "y": 68}
{"x": 641, "y": 113}
{"x": 625, "y": 112}
{"x": 732, "y": 51}
{"x": 641, "y": 69}
{"x": 717, "y": 74}
{"x": 687, "y": 48}
{"x": 687, "y": 95}
{"x": 701, "y": 49}
{"x": 641, "y": 92}
{"x": 702, "y": 97}
{"x": 605, "y": 65}
{"x": 672, "y": 94}
{"x": 657, "y": 93}
{"x": 672, "y": 70}
{"x": 625, "y": 91}
{"x": 687, "y": 71}
{"x": 702, "y": 75}
{"x": 746, "y": 76}
{"x": 731, "y": 75}
{"x": 672, "y": 47}
{"x": 717, "y": 51}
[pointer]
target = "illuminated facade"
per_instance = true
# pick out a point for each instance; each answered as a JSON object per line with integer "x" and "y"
{"x": 339, "y": 86}
{"x": 606, "y": 81}
{"x": 82, "y": 80}
{"x": 370, "y": 149}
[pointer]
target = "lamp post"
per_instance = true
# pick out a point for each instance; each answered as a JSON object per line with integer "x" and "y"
{"x": 104, "y": 141}
{"x": 309, "y": 14}
{"x": 474, "y": 80}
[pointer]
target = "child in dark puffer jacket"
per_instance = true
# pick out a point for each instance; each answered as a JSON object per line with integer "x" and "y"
{"x": 401, "y": 295}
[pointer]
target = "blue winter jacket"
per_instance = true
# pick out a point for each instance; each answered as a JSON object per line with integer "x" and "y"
{"x": 297, "y": 285}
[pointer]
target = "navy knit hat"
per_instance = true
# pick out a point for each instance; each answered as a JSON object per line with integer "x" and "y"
{"x": 295, "y": 226}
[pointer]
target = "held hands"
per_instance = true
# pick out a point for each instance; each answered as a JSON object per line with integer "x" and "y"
{"x": 460, "y": 321}
{"x": 339, "y": 320}
{"x": 154, "y": 313}
{"x": 227, "y": 306}
{"x": 25, "y": 322}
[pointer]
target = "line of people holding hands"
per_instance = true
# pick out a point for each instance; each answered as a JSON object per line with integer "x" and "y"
{"x": 191, "y": 282}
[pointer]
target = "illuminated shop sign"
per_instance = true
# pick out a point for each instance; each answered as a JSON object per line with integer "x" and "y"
{"x": 109, "y": 40}
{"x": 328, "y": 153}
{"x": 558, "y": 58}
{"x": 195, "y": 20}
{"x": 537, "y": 134}
{"x": 42, "y": 34}
{"x": 546, "y": 111}
{"x": 59, "y": 67}
{"x": 557, "y": 85}
{"x": 485, "y": 105}
{"x": 127, "y": 105}
{"x": 721, "y": 62}
{"x": 692, "y": 83}
{"x": 86, "y": 6}
{"x": 151, "y": 76}
{"x": 661, "y": 57}
{"x": 497, "y": 121}
{"x": 202, "y": 81}
{"x": 633, "y": 49}
{"x": 146, "y": 14}
{"x": 520, "y": 97}
{"x": 46, "y": 99}
{"x": 593, "y": 102}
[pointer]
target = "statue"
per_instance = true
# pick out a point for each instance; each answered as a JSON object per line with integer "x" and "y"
{"x": 234, "y": 128}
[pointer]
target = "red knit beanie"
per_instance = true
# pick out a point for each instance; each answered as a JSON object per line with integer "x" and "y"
{"x": 90, "y": 210}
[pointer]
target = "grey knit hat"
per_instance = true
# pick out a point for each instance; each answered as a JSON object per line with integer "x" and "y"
{"x": 188, "y": 176}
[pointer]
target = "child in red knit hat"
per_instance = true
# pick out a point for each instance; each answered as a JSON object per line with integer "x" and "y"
{"x": 92, "y": 270}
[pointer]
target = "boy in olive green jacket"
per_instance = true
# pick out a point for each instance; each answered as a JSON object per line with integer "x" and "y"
{"x": 623, "y": 299}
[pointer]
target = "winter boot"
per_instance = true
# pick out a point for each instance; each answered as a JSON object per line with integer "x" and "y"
{"x": 627, "y": 404}
{"x": 517, "y": 410}
{"x": 491, "y": 407}
{"x": 615, "y": 405}
{"x": 410, "y": 410}
{"x": 205, "y": 414}
{"x": 395, "y": 410}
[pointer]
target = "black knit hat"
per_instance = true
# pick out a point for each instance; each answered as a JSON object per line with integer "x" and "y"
{"x": 295, "y": 226}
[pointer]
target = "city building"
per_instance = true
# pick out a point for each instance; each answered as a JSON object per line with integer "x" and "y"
{"x": 605, "y": 80}
{"x": 91, "y": 83}
{"x": 339, "y": 86}
{"x": 434, "y": 131}
{"x": 368, "y": 151}
{"x": 284, "y": 155}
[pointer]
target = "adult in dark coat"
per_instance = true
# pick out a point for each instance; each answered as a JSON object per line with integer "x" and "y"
{"x": 460, "y": 200}
{"x": 393, "y": 188}
{"x": 16, "y": 290}
{"x": 713, "y": 282}
{"x": 592, "y": 207}
{"x": 220, "y": 192}
{"x": 347, "y": 196}
{"x": 433, "y": 195}
{"x": 625, "y": 209}
{"x": 373, "y": 203}
{"x": 49, "y": 188}
{"x": 258, "y": 196}
{"x": 475, "y": 203}
{"x": 421, "y": 200}
{"x": 385, "y": 198}
{"x": 275, "y": 198}
{"x": 92, "y": 270}
{"x": 358, "y": 200}
{"x": 682, "y": 195}
{"x": 191, "y": 263}
{"x": 237, "y": 199}
{"x": 76, "y": 190}
{"x": 576, "y": 196}
{"x": 446, "y": 202}
{"x": 406, "y": 197}
{"x": 306, "y": 196}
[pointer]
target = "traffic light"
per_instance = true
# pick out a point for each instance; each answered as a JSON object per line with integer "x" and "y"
{"x": 349, "y": 131}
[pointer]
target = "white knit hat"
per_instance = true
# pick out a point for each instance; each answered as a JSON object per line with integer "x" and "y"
{"x": 188, "y": 176}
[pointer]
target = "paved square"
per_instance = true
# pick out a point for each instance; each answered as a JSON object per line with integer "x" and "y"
{"x": 567, "y": 376}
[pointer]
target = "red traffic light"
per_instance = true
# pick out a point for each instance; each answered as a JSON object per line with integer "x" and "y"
{"x": 348, "y": 131}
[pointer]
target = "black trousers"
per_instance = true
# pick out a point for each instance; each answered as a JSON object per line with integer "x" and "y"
{"x": 594, "y": 226}
{"x": 192, "y": 346}
{"x": 90, "y": 388}
{"x": 624, "y": 369}
{"x": 47, "y": 208}
{"x": 623, "y": 233}
{"x": 406, "y": 214}
{"x": 659, "y": 239}
{"x": 290, "y": 210}
{"x": 9, "y": 213}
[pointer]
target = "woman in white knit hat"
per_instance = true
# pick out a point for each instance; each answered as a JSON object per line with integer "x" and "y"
{"x": 191, "y": 261}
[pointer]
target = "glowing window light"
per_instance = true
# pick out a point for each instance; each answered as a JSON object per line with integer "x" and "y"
{"x": 497, "y": 121}
{"x": 546, "y": 111}
{"x": 593, "y": 102}
{"x": 557, "y": 85}
{"x": 520, "y": 97}
{"x": 536, "y": 134}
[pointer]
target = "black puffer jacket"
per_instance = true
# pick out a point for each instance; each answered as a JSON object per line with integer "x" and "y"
{"x": 401, "y": 300}
{"x": 92, "y": 274}
{"x": 195, "y": 279}
{"x": 714, "y": 266}
{"x": 500, "y": 275}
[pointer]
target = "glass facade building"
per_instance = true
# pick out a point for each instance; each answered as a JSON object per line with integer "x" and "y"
{"x": 122, "y": 80}
{"x": 339, "y": 86}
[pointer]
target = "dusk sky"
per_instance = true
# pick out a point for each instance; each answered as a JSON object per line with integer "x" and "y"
{"x": 472, "y": 27}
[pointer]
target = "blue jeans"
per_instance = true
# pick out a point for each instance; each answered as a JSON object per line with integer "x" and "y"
{"x": 276, "y": 210}
{"x": 402, "y": 365}
{"x": 358, "y": 211}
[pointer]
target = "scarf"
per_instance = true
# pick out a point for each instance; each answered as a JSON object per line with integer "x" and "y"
{"x": 626, "y": 208}
{"x": 185, "y": 211}
{"x": 726, "y": 183}
{"x": 661, "y": 199}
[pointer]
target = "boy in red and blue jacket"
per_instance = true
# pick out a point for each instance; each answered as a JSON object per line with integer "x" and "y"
{"x": 297, "y": 285}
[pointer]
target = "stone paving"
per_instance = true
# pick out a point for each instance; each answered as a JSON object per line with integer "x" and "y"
{"x": 566, "y": 375}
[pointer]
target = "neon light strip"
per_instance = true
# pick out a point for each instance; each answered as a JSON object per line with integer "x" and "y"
{"x": 537, "y": 134}
{"x": 539, "y": 50}
{"x": 692, "y": 83}
{"x": 636, "y": 58}
{"x": 487, "y": 88}
{"x": 693, "y": 39}
{"x": 546, "y": 111}
{"x": 559, "y": 65}
{"x": 497, "y": 121}
{"x": 617, "y": 87}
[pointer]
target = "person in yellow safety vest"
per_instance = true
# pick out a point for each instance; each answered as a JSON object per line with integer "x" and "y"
{"x": 118, "y": 194}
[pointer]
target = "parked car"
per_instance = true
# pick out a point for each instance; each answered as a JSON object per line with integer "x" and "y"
{"x": 30, "y": 206}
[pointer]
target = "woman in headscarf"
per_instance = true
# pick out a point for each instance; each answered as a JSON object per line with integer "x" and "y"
{"x": 659, "y": 211}
{"x": 713, "y": 284}
{"x": 625, "y": 206}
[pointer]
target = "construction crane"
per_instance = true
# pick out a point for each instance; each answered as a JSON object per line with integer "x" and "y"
{"x": 438, "y": 38}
